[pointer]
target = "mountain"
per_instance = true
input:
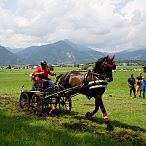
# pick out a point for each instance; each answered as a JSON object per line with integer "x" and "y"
{"x": 7, "y": 57}
{"x": 62, "y": 51}
{"x": 77, "y": 47}
{"x": 15, "y": 50}
{"x": 131, "y": 55}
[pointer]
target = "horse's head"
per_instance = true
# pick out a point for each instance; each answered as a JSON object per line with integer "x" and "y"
{"x": 104, "y": 66}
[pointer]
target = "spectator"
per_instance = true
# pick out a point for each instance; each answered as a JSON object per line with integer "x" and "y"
{"x": 138, "y": 84}
{"x": 131, "y": 83}
{"x": 143, "y": 85}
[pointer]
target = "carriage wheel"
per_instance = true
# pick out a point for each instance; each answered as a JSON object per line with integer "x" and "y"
{"x": 49, "y": 103}
{"x": 37, "y": 104}
{"x": 63, "y": 105}
{"x": 24, "y": 102}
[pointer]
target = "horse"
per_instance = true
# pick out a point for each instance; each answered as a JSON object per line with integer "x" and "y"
{"x": 91, "y": 84}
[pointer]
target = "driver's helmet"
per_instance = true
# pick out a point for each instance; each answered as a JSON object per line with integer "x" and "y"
{"x": 43, "y": 63}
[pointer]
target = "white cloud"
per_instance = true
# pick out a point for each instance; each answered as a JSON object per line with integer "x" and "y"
{"x": 117, "y": 24}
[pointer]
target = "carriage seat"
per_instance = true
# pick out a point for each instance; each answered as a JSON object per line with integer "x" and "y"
{"x": 44, "y": 86}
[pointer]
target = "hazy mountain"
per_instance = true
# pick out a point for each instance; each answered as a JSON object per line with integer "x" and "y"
{"x": 15, "y": 50}
{"x": 63, "y": 52}
{"x": 7, "y": 57}
{"x": 59, "y": 52}
{"x": 131, "y": 55}
{"x": 77, "y": 47}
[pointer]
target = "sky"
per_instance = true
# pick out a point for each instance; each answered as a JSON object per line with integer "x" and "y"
{"x": 104, "y": 25}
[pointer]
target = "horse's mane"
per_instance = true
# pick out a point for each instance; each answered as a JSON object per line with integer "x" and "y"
{"x": 98, "y": 63}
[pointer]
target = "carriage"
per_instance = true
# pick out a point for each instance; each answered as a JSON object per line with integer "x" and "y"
{"x": 40, "y": 101}
{"x": 91, "y": 84}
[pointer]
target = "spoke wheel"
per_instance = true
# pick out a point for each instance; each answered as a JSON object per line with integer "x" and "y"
{"x": 63, "y": 104}
{"x": 37, "y": 104}
{"x": 24, "y": 102}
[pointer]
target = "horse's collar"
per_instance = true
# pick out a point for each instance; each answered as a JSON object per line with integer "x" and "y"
{"x": 98, "y": 75}
{"x": 97, "y": 81}
{"x": 94, "y": 74}
{"x": 85, "y": 79}
{"x": 97, "y": 84}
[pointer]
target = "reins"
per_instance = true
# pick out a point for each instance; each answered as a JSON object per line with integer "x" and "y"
{"x": 94, "y": 74}
{"x": 99, "y": 82}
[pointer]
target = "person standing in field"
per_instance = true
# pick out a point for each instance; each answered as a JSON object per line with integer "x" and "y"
{"x": 138, "y": 84}
{"x": 131, "y": 84}
{"x": 143, "y": 85}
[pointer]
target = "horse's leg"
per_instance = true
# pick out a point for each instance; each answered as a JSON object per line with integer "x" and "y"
{"x": 68, "y": 104}
{"x": 97, "y": 104}
{"x": 54, "y": 105}
{"x": 105, "y": 117}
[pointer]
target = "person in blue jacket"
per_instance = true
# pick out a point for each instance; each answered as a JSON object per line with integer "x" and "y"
{"x": 143, "y": 86}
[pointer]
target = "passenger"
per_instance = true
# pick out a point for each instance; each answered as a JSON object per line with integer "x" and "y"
{"x": 40, "y": 77}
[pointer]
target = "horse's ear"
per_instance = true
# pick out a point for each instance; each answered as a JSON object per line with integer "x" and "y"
{"x": 106, "y": 58}
{"x": 113, "y": 57}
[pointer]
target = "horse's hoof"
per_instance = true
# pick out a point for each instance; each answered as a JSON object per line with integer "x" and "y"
{"x": 88, "y": 114}
{"x": 68, "y": 110}
{"x": 50, "y": 112}
{"x": 110, "y": 127}
{"x": 53, "y": 110}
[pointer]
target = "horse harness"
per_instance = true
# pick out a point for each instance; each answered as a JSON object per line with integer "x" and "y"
{"x": 97, "y": 82}
{"x": 87, "y": 86}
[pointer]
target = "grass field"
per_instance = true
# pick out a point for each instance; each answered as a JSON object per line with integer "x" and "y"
{"x": 126, "y": 114}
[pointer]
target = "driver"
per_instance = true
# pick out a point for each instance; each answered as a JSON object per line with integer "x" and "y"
{"x": 40, "y": 77}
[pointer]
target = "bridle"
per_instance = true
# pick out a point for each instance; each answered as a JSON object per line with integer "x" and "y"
{"x": 107, "y": 63}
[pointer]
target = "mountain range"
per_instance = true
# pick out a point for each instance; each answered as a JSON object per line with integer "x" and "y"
{"x": 61, "y": 52}
{"x": 7, "y": 57}
{"x": 139, "y": 54}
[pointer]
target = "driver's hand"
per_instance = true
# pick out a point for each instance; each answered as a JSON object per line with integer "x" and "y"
{"x": 31, "y": 75}
{"x": 41, "y": 73}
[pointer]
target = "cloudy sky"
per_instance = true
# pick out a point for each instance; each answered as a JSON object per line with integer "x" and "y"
{"x": 106, "y": 25}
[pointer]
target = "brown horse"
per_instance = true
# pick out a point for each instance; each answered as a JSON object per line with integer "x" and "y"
{"x": 91, "y": 84}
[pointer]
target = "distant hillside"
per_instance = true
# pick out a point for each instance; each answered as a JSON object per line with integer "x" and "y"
{"x": 59, "y": 52}
{"x": 131, "y": 55}
{"x": 7, "y": 57}
{"x": 62, "y": 52}
{"x": 77, "y": 47}
{"x": 15, "y": 50}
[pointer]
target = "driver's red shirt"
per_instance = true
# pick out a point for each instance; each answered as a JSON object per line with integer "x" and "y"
{"x": 45, "y": 71}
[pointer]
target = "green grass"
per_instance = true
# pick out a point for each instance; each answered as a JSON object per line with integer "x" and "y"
{"x": 126, "y": 114}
